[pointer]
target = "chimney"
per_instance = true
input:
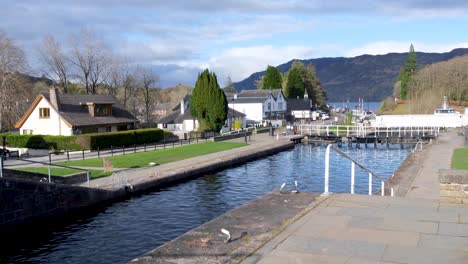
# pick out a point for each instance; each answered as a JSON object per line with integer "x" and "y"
{"x": 54, "y": 100}
{"x": 182, "y": 107}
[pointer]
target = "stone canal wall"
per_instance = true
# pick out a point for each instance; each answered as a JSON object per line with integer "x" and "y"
{"x": 26, "y": 202}
{"x": 156, "y": 178}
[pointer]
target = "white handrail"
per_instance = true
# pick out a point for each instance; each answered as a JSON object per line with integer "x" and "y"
{"x": 353, "y": 164}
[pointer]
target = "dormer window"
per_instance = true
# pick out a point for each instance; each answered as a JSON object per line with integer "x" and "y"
{"x": 102, "y": 110}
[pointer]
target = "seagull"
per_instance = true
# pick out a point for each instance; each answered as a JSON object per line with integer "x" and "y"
{"x": 296, "y": 190}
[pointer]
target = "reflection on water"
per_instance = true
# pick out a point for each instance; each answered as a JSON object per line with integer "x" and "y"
{"x": 130, "y": 228}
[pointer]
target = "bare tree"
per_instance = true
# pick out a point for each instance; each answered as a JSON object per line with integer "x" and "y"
{"x": 57, "y": 65}
{"x": 148, "y": 79}
{"x": 14, "y": 90}
{"x": 91, "y": 59}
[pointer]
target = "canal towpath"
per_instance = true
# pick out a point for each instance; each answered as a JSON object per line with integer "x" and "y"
{"x": 414, "y": 228}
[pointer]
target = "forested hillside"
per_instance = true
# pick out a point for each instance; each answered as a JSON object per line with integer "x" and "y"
{"x": 369, "y": 76}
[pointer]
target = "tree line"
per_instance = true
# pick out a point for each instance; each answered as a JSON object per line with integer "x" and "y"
{"x": 84, "y": 65}
{"x": 298, "y": 79}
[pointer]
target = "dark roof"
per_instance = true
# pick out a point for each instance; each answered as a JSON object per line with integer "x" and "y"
{"x": 298, "y": 104}
{"x": 236, "y": 113}
{"x": 247, "y": 100}
{"x": 75, "y": 114}
{"x": 259, "y": 93}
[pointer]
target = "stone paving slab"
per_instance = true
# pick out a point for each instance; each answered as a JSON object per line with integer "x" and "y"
{"x": 251, "y": 225}
{"x": 341, "y": 232}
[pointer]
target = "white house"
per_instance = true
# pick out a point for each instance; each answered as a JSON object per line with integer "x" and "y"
{"x": 259, "y": 105}
{"x": 55, "y": 113}
{"x": 182, "y": 121}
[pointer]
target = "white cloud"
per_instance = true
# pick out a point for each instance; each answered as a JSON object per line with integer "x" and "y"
{"x": 384, "y": 47}
{"x": 239, "y": 63}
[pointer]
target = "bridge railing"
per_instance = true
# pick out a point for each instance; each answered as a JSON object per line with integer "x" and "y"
{"x": 354, "y": 163}
{"x": 364, "y": 131}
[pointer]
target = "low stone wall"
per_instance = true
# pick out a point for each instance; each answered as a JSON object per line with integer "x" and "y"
{"x": 27, "y": 202}
{"x": 453, "y": 186}
{"x": 31, "y": 176}
{"x": 231, "y": 136}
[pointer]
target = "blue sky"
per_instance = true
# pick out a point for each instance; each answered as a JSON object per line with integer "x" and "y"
{"x": 237, "y": 38}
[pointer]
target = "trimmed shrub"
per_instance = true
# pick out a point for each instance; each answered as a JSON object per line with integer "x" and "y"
{"x": 43, "y": 142}
{"x": 88, "y": 141}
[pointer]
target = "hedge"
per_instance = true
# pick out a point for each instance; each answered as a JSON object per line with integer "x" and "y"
{"x": 88, "y": 141}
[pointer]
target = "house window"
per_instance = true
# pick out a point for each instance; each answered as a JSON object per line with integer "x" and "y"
{"x": 108, "y": 129}
{"x": 44, "y": 113}
{"x": 102, "y": 111}
{"x": 27, "y": 131}
{"x": 280, "y": 106}
{"x": 269, "y": 106}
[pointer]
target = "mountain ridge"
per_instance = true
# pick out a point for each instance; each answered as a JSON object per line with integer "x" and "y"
{"x": 368, "y": 76}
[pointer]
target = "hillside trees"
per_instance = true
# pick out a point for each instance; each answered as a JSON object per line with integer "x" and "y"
{"x": 272, "y": 79}
{"x": 208, "y": 103}
{"x": 430, "y": 84}
{"x": 14, "y": 88}
{"x": 407, "y": 72}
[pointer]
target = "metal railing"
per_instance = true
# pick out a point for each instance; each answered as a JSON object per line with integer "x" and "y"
{"x": 418, "y": 144}
{"x": 354, "y": 163}
{"x": 49, "y": 165}
{"x": 362, "y": 131}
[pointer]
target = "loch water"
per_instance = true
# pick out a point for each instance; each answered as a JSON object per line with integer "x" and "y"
{"x": 127, "y": 229}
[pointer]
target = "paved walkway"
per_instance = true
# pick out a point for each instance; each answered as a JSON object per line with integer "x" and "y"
{"x": 348, "y": 228}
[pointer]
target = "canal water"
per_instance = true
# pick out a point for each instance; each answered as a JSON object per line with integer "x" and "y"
{"x": 127, "y": 229}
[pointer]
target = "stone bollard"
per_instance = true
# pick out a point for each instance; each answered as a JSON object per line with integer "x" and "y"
{"x": 277, "y": 136}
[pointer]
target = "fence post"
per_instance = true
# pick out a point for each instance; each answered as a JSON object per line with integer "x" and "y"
{"x": 87, "y": 177}
{"x": 352, "y": 176}
{"x": 383, "y": 188}
{"x": 155, "y": 145}
{"x": 98, "y": 153}
{"x": 112, "y": 150}
{"x": 181, "y": 142}
{"x": 134, "y": 148}
{"x": 82, "y": 153}
{"x": 144, "y": 146}
{"x": 1, "y": 166}
{"x": 327, "y": 168}
{"x": 48, "y": 171}
{"x": 50, "y": 158}
{"x": 370, "y": 183}
{"x": 68, "y": 154}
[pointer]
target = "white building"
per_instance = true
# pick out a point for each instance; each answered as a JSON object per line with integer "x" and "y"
{"x": 55, "y": 113}
{"x": 259, "y": 105}
{"x": 181, "y": 120}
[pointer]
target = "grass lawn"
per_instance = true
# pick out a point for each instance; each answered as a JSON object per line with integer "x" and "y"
{"x": 142, "y": 159}
{"x": 460, "y": 159}
{"x": 63, "y": 171}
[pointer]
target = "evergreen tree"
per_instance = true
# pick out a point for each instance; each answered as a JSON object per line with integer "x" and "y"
{"x": 272, "y": 79}
{"x": 229, "y": 86}
{"x": 295, "y": 86}
{"x": 208, "y": 103}
{"x": 312, "y": 84}
{"x": 407, "y": 72}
